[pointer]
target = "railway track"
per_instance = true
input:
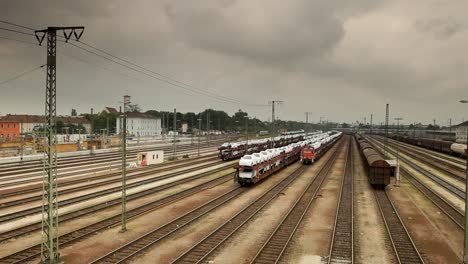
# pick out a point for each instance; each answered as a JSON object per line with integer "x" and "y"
{"x": 13, "y": 170}
{"x": 273, "y": 248}
{"x": 342, "y": 245}
{"x": 37, "y": 209}
{"x": 129, "y": 250}
{"x": 451, "y": 211}
{"x": 455, "y": 165}
{"x": 460, "y": 193}
{"x": 434, "y": 153}
{"x": 33, "y": 252}
{"x": 450, "y": 169}
{"x": 9, "y": 181}
{"x": 74, "y": 161}
{"x": 155, "y": 169}
{"x": 443, "y": 204}
{"x": 405, "y": 250}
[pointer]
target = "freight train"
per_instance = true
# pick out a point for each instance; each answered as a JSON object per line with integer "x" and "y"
{"x": 447, "y": 147}
{"x": 313, "y": 150}
{"x": 378, "y": 169}
{"x": 233, "y": 150}
{"x": 257, "y": 166}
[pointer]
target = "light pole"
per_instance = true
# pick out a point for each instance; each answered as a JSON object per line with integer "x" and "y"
{"x": 199, "y": 134}
{"x": 247, "y": 128}
{"x": 397, "y": 174}
{"x": 465, "y": 247}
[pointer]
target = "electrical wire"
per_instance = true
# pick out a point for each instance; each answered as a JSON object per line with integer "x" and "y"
{"x": 21, "y": 75}
{"x": 159, "y": 76}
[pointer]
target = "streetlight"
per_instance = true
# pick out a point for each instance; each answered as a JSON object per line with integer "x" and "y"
{"x": 397, "y": 174}
{"x": 465, "y": 251}
{"x": 247, "y": 128}
{"x": 199, "y": 134}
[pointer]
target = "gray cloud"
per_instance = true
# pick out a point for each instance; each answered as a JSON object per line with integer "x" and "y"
{"x": 339, "y": 59}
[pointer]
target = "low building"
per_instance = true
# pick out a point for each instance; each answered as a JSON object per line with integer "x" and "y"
{"x": 9, "y": 130}
{"x": 461, "y": 132}
{"x": 27, "y": 123}
{"x": 139, "y": 124}
{"x": 109, "y": 110}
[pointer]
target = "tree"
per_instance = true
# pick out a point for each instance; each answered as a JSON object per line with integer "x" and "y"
{"x": 73, "y": 112}
{"x": 134, "y": 108}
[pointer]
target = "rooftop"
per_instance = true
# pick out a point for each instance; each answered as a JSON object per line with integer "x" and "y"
{"x": 41, "y": 119}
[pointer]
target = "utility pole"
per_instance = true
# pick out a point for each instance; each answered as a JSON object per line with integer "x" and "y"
{"x": 386, "y": 129}
{"x": 307, "y": 120}
{"x": 450, "y": 124}
{"x": 22, "y": 143}
{"x": 397, "y": 174}
{"x": 50, "y": 234}
{"x": 92, "y": 131}
{"x": 247, "y": 128}
{"x": 174, "y": 135}
{"x": 124, "y": 163}
{"x": 199, "y": 134}
{"x": 207, "y": 127}
{"x": 371, "y": 124}
{"x": 273, "y": 102}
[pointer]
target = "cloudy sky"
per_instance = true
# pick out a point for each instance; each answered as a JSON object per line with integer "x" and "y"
{"x": 342, "y": 60}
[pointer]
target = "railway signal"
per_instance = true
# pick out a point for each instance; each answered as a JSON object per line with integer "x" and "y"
{"x": 50, "y": 242}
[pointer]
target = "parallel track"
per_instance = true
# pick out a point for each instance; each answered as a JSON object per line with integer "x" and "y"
{"x": 434, "y": 153}
{"x": 74, "y": 161}
{"x": 403, "y": 246}
{"x": 342, "y": 245}
{"x": 108, "y": 179}
{"x": 457, "y": 216}
{"x": 460, "y": 193}
{"x": 274, "y": 247}
{"x": 66, "y": 239}
{"x": 38, "y": 209}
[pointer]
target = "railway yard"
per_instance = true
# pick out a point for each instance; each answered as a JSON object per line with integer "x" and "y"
{"x": 191, "y": 211}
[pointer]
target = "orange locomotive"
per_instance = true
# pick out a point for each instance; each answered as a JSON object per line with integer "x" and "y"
{"x": 308, "y": 155}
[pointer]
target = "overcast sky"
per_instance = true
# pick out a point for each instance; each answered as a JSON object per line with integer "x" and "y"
{"x": 342, "y": 60}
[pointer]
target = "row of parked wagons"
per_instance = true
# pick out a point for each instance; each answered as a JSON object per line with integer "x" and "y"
{"x": 447, "y": 147}
{"x": 378, "y": 169}
{"x": 257, "y": 166}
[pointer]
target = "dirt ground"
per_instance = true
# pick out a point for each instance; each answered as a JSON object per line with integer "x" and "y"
{"x": 311, "y": 242}
{"x": 371, "y": 242}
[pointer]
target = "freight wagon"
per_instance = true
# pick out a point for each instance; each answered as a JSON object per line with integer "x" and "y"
{"x": 378, "y": 169}
{"x": 257, "y": 166}
{"x": 447, "y": 147}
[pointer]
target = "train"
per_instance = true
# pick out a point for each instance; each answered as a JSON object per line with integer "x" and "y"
{"x": 255, "y": 167}
{"x": 443, "y": 146}
{"x": 378, "y": 169}
{"x": 314, "y": 149}
{"x": 234, "y": 150}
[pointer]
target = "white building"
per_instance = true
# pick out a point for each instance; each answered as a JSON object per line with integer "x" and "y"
{"x": 461, "y": 132}
{"x": 139, "y": 124}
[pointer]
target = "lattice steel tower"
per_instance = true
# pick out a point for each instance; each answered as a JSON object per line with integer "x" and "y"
{"x": 50, "y": 234}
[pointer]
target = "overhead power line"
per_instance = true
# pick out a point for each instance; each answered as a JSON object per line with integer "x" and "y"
{"x": 139, "y": 69}
{"x": 21, "y": 75}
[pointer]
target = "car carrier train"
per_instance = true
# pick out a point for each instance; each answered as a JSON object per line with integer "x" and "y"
{"x": 447, "y": 147}
{"x": 257, "y": 166}
{"x": 233, "y": 150}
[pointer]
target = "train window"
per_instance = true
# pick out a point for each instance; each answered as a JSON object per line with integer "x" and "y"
{"x": 153, "y": 156}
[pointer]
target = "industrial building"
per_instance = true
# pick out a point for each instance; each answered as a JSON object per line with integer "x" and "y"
{"x": 139, "y": 124}
{"x": 461, "y": 132}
